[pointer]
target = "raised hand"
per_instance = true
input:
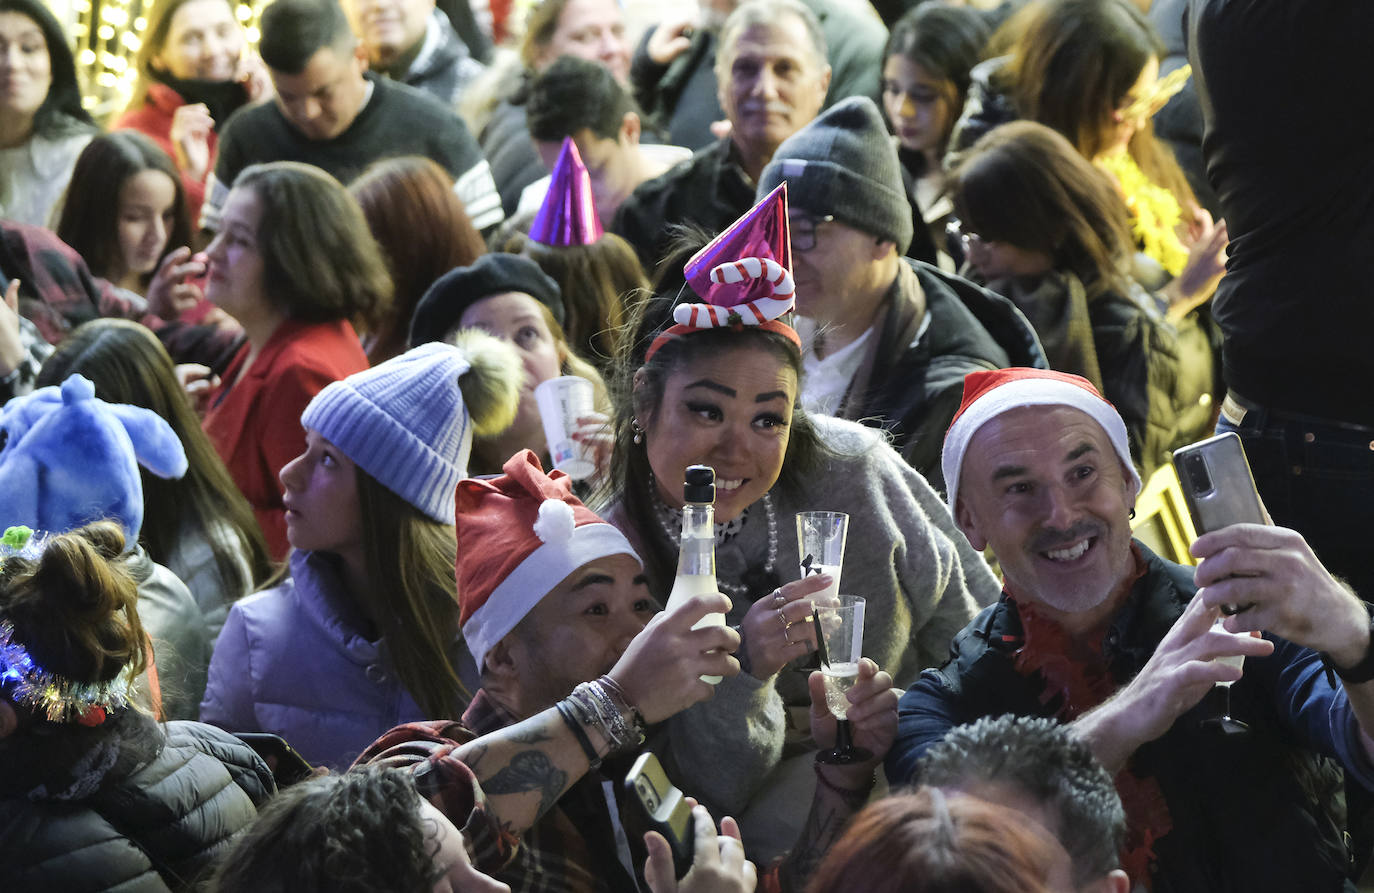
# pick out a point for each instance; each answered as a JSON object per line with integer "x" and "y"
{"x": 1292, "y": 595}
{"x": 190, "y": 133}
{"x": 778, "y": 627}
{"x": 1178, "y": 675}
{"x": 170, "y": 293}
{"x": 661, "y": 671}
{"x": 718, "y": 865}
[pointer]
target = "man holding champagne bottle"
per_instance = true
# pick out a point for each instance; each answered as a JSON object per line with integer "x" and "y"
{"x": 1097, "y": 632}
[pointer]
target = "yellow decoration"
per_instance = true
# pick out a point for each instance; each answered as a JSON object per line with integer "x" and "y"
{"x": 1155, "y": 215}
{"x": 106, "y": 37}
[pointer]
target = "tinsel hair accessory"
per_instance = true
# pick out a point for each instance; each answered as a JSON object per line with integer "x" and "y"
{"x": 568, "y": 215}
{"x": 26, "y": 682}
{"x": 743, "y": 277}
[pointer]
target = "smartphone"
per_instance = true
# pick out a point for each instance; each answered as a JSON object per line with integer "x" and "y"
{"x": 1218, "y": 487}
{"x": 659, "y": 806}
{"x": 288, "y": 766}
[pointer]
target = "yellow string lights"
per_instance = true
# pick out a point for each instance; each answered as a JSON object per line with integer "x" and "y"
{"x": 106, "y": 36}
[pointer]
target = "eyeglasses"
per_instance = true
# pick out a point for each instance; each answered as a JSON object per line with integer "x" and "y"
{"x": 1165, "y": 89}
{"x": 803, "y": 228}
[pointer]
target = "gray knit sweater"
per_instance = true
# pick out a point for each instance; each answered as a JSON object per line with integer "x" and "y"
{"x": 922, "y": 580}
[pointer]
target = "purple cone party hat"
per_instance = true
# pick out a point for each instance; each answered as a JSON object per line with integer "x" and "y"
{"x": 743, "y": 276}
{"x": 568, "y": 215}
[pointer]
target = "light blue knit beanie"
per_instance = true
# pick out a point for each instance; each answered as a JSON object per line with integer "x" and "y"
{"x": 404, "y": 423}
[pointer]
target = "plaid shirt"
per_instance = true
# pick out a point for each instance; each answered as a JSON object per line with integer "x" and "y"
{"x": 571, "y": 848}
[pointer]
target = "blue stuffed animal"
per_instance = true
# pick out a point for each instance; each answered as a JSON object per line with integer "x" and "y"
{"x": 67, "y": 459}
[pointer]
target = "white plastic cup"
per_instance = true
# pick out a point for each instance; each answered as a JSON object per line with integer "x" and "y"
{"x": 562, "y": 401}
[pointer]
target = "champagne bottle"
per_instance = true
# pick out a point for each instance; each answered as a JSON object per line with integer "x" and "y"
{"x": 696, "y": 560}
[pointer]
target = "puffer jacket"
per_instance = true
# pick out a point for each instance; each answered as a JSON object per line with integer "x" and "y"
{"x": 128, "y": 805}
{"x": 289, "y": 661}
{"x": 1157, "y": 374}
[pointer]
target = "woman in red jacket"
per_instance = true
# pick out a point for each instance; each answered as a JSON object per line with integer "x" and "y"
{"x": 194, "y": 71}
{"x": 294, "y": 263}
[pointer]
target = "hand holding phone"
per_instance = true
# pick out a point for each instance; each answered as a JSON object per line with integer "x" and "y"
{"x": 1219, "y": 488}
{"x": 288, "y": 767}
{"x": 656, "y": 805}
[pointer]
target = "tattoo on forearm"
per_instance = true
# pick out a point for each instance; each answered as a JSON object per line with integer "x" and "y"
{"x": 472, "y": 755}
{"x": 529, "y": 770}
{"x": 531, "y": 736}
{"x": 823, "y": 827}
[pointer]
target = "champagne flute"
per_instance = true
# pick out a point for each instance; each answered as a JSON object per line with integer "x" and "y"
{"x": 820, "y": 543}
{"x": 840, "y": 639}
{"x": 1225, "y": 723}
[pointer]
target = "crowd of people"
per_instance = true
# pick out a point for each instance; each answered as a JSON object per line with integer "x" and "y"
{"x": 296, "y": 589}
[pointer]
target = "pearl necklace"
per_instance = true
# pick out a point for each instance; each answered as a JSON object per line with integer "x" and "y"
{"x": 670, "y": 518}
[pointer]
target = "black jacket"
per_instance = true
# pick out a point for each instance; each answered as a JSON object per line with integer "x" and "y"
{"x": 1247, "y": 812}
{"x": 912, "y": 379}
{"x": 129, "y": 805}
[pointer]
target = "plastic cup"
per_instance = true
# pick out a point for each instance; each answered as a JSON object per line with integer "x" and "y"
{"x": 561, "y": 402}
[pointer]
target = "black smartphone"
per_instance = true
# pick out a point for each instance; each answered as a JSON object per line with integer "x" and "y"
{"x": 288, "y": 766}
{"x": 1218, "y": 487}
{"x": 659, "y": 806}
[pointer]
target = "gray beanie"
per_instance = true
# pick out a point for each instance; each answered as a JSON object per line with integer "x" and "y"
{"x": 844, "y": 164}
{"x": 403, "y": 422}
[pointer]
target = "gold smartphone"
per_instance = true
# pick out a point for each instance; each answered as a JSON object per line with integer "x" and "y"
{"x": 661, "y": 807}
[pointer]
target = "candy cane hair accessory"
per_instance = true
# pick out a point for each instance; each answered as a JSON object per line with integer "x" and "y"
{"x": 742, "y": 277}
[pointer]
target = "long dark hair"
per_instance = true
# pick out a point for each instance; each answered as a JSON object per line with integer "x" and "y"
{"x": 127, "y": 364}
{"x": 630, "y": 477}
{"x": 1026, "y": 185}
{"x": 947, "y": 41}
{"x": 320, "y": 262}
{"x": 413, "y": 595}
{"x": 89, "y": 221}
{"x": 64, "y": 94}
{"x": 1072, "y": 67}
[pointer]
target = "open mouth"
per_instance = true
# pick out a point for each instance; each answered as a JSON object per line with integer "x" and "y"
{"x": 1070, "y": 553}
{"x": 729, "y": 486}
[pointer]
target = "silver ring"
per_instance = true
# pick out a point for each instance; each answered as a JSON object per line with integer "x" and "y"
{"x": 785, "y": 625}
{"x": 779, "y": 599}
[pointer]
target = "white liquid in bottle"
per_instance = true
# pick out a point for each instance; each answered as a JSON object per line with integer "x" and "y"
{"x": 696, "y": 561}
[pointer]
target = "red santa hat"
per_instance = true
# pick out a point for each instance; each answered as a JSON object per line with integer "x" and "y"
{"x": 989, "y": 394}
{"x": 519, "y": 536}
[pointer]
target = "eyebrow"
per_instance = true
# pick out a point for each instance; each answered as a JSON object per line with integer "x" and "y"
{"x": 1080, "y": 451}
{"x": 712, "y": 385}
{"x": 770, "y": 395}
{"x": 1011, "y": 471}
{"x": 593, "y": 578}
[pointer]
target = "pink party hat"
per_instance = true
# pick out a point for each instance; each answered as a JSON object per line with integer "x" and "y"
{"x": 762, "y": 232}
{"x": 743, "y": 275}
{"x": 568, "y": 215}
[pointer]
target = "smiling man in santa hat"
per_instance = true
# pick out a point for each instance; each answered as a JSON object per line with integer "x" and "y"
{"x": 1098, "y": 632}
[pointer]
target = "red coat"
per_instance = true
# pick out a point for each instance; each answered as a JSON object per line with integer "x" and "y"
{"x": 154, "y": 120}
{"x": 255, "y": 423}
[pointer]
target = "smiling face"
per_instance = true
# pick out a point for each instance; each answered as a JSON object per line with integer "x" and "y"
{"x": 731, "y": 410}
{"x": 593, "y": 30}
{"x": 203, "y": 42}
{"x": 770, "y": 85}
{"x": 919, "y": 105}
{"x": 1044, "y": 488}
{"x": 25, "y": 68}
{"x": 147, "y": 210}
{"x": 321, "y": 499}
{"x": 388, "y": 28}
{"x": 579, "y": 630}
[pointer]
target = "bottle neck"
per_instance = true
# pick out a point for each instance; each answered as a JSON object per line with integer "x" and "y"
{"x": 697, "y": 555}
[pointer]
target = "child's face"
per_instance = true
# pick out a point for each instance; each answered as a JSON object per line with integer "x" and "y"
{"x": 321, "y": 498}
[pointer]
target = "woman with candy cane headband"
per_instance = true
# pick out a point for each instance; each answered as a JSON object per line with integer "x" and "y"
{"x": 712, "y": 377}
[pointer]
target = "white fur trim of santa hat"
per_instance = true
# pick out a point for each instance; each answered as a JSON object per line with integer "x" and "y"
{"x": 563, "y": 548}
{"x": 989, "y": 394}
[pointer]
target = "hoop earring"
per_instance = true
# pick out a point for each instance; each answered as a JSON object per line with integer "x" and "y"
{"x": 638, "y": 432}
